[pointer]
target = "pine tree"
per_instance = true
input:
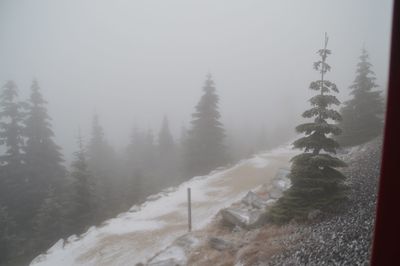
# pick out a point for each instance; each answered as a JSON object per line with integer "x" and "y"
{"x": 149, "y": 152}
{"x": 8, "y": 239}
{"x": 42, "y": 155}
{"x": 97, "y": 148}
{"x": 11, "y": 129}
{"x": 101, "y": 164}
{"x": 316, "y": 184}
{"x": 204, "y": 148}
{"x": 134, "y": 168}
{"x": 48, "y": 222}
{"x": 83, "y": 211}
{"x": 11, "y": 136}
{"x": 167, "y": 156}
{"x": 166, "y": 144}
{"x": 363, "y": 114}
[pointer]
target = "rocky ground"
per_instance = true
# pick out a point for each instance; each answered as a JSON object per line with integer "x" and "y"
{"x": 343, "y": 238}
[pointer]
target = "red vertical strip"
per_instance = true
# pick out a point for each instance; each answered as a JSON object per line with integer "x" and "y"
{"x": 386, "y": 244}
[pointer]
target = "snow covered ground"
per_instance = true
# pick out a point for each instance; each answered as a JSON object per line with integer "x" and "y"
{"x": 136, "y": 235}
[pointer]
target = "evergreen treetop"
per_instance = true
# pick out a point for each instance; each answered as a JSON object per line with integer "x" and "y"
{"x": 98, "y": 149}
{"x": 165, "y": 140}
{"x": 43, "y": 158}
{"x": 84, "y": 200}
{"x": 43, "y": 155}
{"x": 11, "y": 128}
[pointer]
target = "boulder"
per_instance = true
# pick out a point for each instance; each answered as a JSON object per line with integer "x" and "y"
{"x": 242, "y": 218}
{"x": 253, "y": 200}
{"x": 219, "y": 244}
{"x": 187, "y": 242}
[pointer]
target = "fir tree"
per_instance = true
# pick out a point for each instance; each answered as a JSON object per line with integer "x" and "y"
{"x": 97, "y": 148}
{"x": 83, "y": 211}
{"x": 166, "y": 144}
{"x": 11, "y": 136}
{"x": 48, "y": 222}
{"x": 167, "y": 156}
{"x": 316, "y": 184}
{"x": 11, "y": 128}
{"x": 363, "y": 114}
{"x": 42, "y": 155}
{"x": 204, "y": 148}
{"x": 101, "y": 164}
{"x": 149, "y": 152}
{"x": 8, "y": 239}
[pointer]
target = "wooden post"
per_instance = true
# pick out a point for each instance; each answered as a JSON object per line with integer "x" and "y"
{"x": 189, "y": 210}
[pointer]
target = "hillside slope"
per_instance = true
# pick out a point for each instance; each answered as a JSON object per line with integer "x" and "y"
{"x": 342, "y": 237}
{"x": 138, "y": 234}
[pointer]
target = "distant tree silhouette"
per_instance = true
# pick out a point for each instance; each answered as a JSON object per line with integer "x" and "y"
{"x": 12, "y": 185}
{"x": 101, "y": 162}
{"x": 167, "y": 156}
{"x": 363, "y": 114}
{"x": 204, "y": 147}
{"x": 43, "y": 157}
{"x": 83, "y": 198}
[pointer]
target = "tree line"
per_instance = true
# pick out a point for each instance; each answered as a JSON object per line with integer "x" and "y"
{"x": 42, "y": 200}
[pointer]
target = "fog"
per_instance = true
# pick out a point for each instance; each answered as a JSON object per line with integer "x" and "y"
{"x": 132, "y": 62}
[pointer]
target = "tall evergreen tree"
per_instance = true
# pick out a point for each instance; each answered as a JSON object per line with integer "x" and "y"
{"x": 42, "y": 155}
{"x": 205, "y": 149}
{"x": 11, "y": 128}
{"x": 166, "y": 144}
{"x": 142, "y": 167}
{"x": 8, "y": 239}
{"x": 101, "y": 164}
{"x": 43, "y": 160}
{"x": 134, "y": 167}
{"x": 11, "y": 136}
{"x": 167, "y": 156}
{"x": 316, "y": 184}
{"x": 48, "y": 222}
{"x": 83, "y": 211}
{"x": 97, "y": 148}
{"x": 363, "y": 114}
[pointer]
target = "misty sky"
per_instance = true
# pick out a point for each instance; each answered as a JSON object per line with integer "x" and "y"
{"x": 133, "y": 62}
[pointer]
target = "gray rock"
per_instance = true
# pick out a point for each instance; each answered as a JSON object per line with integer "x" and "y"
{"x": 219, "y": 244}
{"x": 242, "y": 218}
{"x": 187, "y": 242}
{"x": 253, "y": 200}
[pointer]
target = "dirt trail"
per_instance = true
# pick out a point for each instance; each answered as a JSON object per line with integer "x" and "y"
{"x": 137, "y": 246}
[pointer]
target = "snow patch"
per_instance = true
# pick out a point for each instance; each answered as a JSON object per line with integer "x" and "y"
{"x": 259, "y": 162}
{"x": 164, "y": 210}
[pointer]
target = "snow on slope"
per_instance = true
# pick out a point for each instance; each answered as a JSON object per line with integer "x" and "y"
{"x": 138, "y": 234}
